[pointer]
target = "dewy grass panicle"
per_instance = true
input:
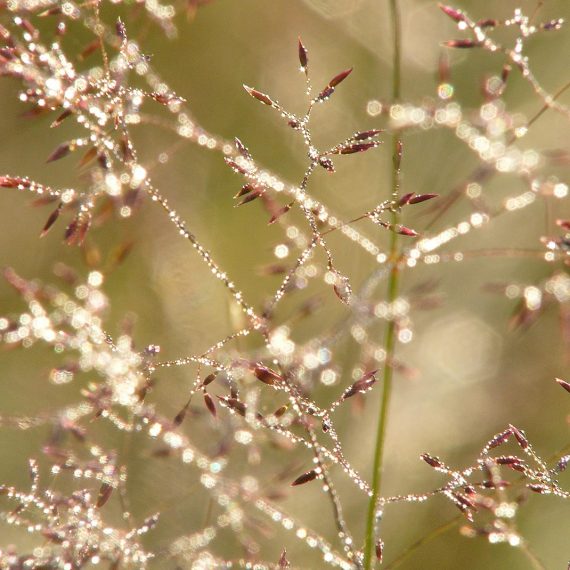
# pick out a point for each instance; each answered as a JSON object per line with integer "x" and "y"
{"x": 262, "y": 433}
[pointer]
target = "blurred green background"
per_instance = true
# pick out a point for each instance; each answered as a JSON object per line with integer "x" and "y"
{"x": 475, "y": 375}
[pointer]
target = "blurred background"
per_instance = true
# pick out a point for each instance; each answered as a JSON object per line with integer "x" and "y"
{"x": 467, "y": 372}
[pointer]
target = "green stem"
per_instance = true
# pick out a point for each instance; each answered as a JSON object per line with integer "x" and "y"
{"x": 393, "y": 285}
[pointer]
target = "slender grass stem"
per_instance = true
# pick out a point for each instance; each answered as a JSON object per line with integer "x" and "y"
{"x": 393, "y": 285}
{"x": 442, "y": 529}
{"x": 533, "y": 559}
